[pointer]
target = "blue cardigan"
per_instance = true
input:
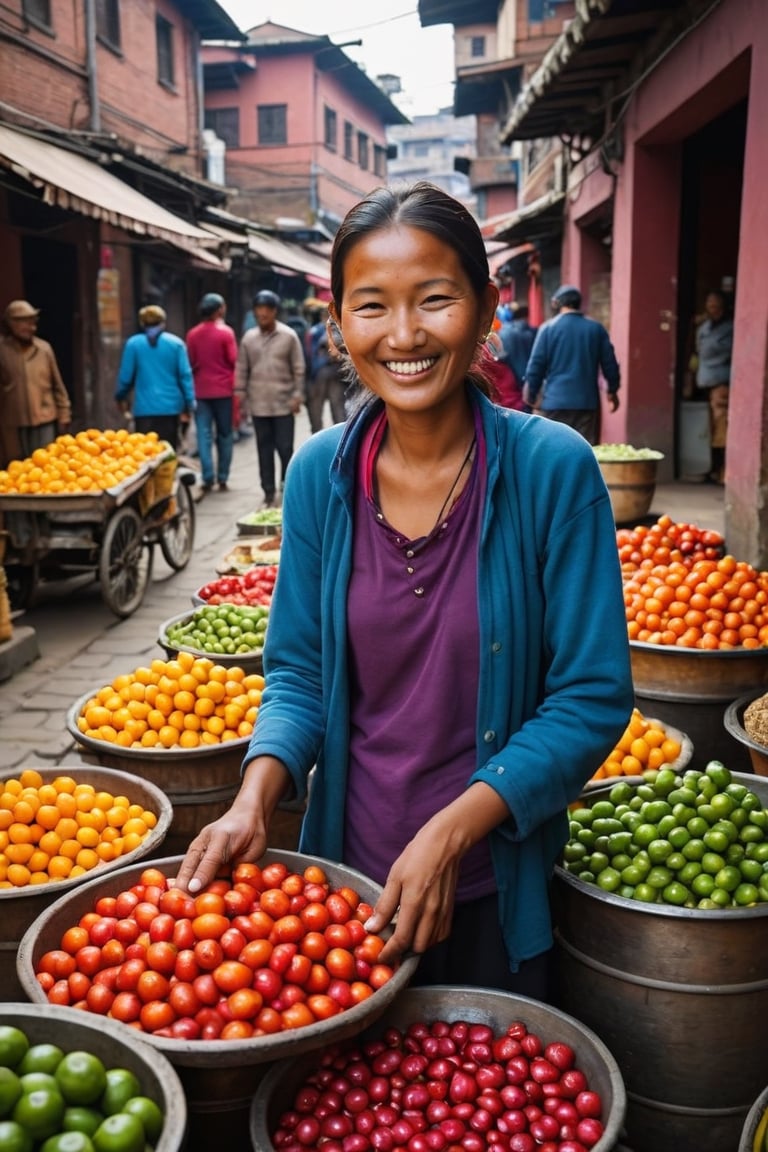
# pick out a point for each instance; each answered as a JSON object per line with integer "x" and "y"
{"x": 555, "y": 690}
{"x": 159, "y": 375}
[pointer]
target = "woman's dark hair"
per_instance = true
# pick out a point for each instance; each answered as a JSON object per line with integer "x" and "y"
{"x": 421, "y": 205}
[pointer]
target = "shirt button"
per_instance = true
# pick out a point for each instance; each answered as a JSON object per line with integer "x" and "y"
{"x": 499, "y": 770}
{"x": 489, "y": 736}
{"x": 496, "y": 646}
{"x": 409, "y": 553}
{"x": 418, "y": 591}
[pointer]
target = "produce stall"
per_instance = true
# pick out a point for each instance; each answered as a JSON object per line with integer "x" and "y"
{"x": 105, "y": 521}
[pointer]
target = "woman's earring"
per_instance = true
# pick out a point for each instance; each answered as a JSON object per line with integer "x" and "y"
{"x": 492, "y": 342}
{"x": 335, "y": 336}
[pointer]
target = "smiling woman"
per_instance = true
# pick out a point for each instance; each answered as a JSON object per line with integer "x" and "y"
{"x": 425, "y": 647}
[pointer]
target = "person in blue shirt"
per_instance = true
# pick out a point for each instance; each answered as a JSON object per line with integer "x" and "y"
{"x": 155, "y": 378}
{"x": 562, "y": 374}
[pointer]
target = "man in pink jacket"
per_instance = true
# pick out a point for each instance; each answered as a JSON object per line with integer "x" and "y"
{"x": 212, "y": 348}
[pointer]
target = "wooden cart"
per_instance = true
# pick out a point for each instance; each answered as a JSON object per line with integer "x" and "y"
{"x": 110, "y": 533}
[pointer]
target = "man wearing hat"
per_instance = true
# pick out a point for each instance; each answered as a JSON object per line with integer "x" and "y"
{"x": 270, "y": 372}
{"x": 154, "y": 370}
{"x": 34, "y": 404}
{"x": 212, "y": 349}
{"x": 561, "y": 379}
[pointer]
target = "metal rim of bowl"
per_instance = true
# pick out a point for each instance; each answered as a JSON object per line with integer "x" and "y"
{"x": 228, "y": 1053}
{"x": 156, "y": 755}
{"x": 671, "y": 911}
{"x": 163, "y": 810}
{"x": 483, "y": 997}
{"x": 676, "y": 651}
{"x": 734, "y": 724}
{"x": 226, "y": 659}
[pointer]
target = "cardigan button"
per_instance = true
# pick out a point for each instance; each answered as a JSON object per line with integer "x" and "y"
{"x": 496, "y": 646}
{"x": 489, "y": 736}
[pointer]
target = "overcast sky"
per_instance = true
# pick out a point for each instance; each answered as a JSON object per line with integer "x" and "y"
{"x": 393, "y": 41}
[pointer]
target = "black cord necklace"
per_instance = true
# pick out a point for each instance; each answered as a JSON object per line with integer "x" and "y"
{"x": 453, "y": 487}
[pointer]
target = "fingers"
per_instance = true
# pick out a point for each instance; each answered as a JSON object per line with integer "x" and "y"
{"x": 203, "y": 861}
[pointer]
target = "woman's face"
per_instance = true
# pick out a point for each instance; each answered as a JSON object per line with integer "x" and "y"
{"x": 410, "y": 317}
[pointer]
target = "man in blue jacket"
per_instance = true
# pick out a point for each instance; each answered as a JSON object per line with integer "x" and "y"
{"x": 155, "y": 370}
{"x": 561, "y": 379}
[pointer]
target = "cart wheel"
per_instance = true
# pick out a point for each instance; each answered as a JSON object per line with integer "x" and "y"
{"x": 125, "y": 562}
{"x": 177, "y": 536}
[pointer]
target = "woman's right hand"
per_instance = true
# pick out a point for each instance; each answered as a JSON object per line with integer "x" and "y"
{"x": 241, "y": 833}
{"x": 237, "y": 836}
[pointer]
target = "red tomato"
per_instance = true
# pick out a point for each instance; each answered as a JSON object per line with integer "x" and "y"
{"x": 58, "y": 963}
{"x": 237, "y": 1030}
{"x": 105, "y": 906}
{"x": 298, "y": 970}
{"x": 282, "y": 954}
{"x": 127, "y": 930}
{"x": 380, "y": 974}
{"x": 103, "y": 930}
{"x": 232, "y": 975}
{"x": 323, "y": 1007}
{"x": 369, "y": 948}
{"x": 206, "y": 989}
{"x": 288, "y": 929}
{"x": 315, "y": 917}
{"x": 210, "y": 926}
{"x": 209, "y": 954}
{"x": 73, "y": 939}
{"x": 87, "y": 959}
{"x": 314, "y": 945}
{"x": 112, "y": 953}
{"x": 59, "y": 993}
{"x": 144, "y": 913}
{"x": 162, "y": 927}
{"x": 338, "y": 907}
{"x": 155, "y": 1015}
{"x": 248, "y": 873}
{"x": 273, "y": 874}
{"x": 341, "y": 964}
{"x": 260, "y": 925}
{"x": 275, "y": 902}
{"x": 338, "y": 936}
{"x": 128, "y": 976}
{"x": 245, "y": 1003}
{"x": 186, "y": 967}
{"x": 183, "y": 934}
{"x": 152, "y": 986}
{"x": 161, "y": 957}
{"x": 238, "y": 902}
{"x": 78, "y": 984}
{"x": 268, "y": 983}
{"x": 209, "y": 901}
{"x": 297, "y": 1016}
{"x": 125, "y": 903}
{"x": 256, "y": 953}
{"x": 183, "y": 999}
{"x": 99, "y": 999}
{"x": 318, "y": 980}
{"x": 268, "y": 1022}
{"x": 126, "y": 1007}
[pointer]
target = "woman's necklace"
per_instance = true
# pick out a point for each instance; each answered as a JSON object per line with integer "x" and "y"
{"x": 452, "y": 489}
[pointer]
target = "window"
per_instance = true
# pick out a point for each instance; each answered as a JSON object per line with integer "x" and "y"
{"x": 225, "y": 122}
{"x": 38, "y": 11}
{"x": 349, "y": 141}
{"x": 330, "y": 128}
{"x": 164, "y": 35}
{"x": 477, "y": 46}
{"x": 108, "y": 22}
{"x": 362, "y": 149}
{"x": 379, "y": 160}
{"x": 272, "y": 123}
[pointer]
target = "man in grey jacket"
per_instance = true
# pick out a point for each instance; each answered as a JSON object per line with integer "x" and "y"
{"x": 270, "y": 373}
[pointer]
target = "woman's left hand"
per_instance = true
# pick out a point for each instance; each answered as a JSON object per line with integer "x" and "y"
{"x": 420, "y": 888}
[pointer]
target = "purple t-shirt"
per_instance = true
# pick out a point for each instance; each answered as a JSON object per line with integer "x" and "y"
{"x": 413, "y": 647}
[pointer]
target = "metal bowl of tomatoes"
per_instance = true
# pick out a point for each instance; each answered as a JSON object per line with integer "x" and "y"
{"x": 252, "y": 587}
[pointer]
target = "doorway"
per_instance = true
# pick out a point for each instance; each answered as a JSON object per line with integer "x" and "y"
{"x": 49, "y": 271}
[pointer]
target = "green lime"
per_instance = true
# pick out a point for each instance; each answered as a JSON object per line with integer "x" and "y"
{"x": 627, "y": 891}
{"x": 78, "y": 1118}
{"x": 644, "y": 834}
{"x": 13, "y": 1046}
{"x": 689, "y": 872}
{"x": 645, "y": 792}
{"x": 582, "y": 816}
{"x": 718, "y": 773}
{"x": 608, "y": 879}
{"x": 734, "y": 853}
{"x": 121, "y": 1085}
{"x": 658, "y": 877}
{"x": 68, "y": 1142}
{"x": 723, "y": 804}
{"x": 31, "y": 1081}
{"x": 120, "y": 1133}
{"x": 716, "y": 840}
{"x": 597, "y": 862}
{"x": 712, "y": 862}
{"x": 728, "y": 878}
{"x": 620, "y": 793}
{"x": 720, "y": 897}
{"x": 41, "y": 1058}
{"x": 40, "y": 1112}
{"x": 736, "y": 791}
{"x": 620, "y": 861}
{"x": 14, "y": 1138}
{"x": 659, "y": 850}
{"x": 656, "y": 810}
{"x": 746, "y": 894}
{"x": 675, "y": 893}
{"x": 574, "y": 851}
{"x": 646, "y": 893}
{"x": 757, "y": 851}
{"x": 752, "y": 803}
{"x": 150, "y": 1114}
{"x": 697, "y": 826}
{"x": 706, "y": 812}
{"x": 706, "y": 789}
{"x": 10, "y": 1089}
{"x": 665, "y": 782}
{"x": 684, "y": 796}
{"x": 632, "y": 875}
{"x": 694, "y": 849}
{"x": 607, "y": 825}
{"x": 603, "y": 808}
{"x": 678, "y": 838}
{"x": 751, "y": 870}
{"x": 81, "y": 1077}
{"x": 675, "y": 861}
{"x": 702, "y": 884}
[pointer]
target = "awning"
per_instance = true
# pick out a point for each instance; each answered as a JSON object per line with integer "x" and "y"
{"x": 594, "y": 63}
{"x": 69, "y": 180}
{"x": 291, "y": 258}
{"x": 534, "y": 222}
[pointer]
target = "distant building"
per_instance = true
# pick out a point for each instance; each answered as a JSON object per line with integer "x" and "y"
{"x": 304, "y": 126}
{"x": 428, "y": 149}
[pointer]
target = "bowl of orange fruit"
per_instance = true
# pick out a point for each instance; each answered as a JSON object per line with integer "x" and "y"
{"x": 646, "y": 743}
{"x": 62, "y": 826}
